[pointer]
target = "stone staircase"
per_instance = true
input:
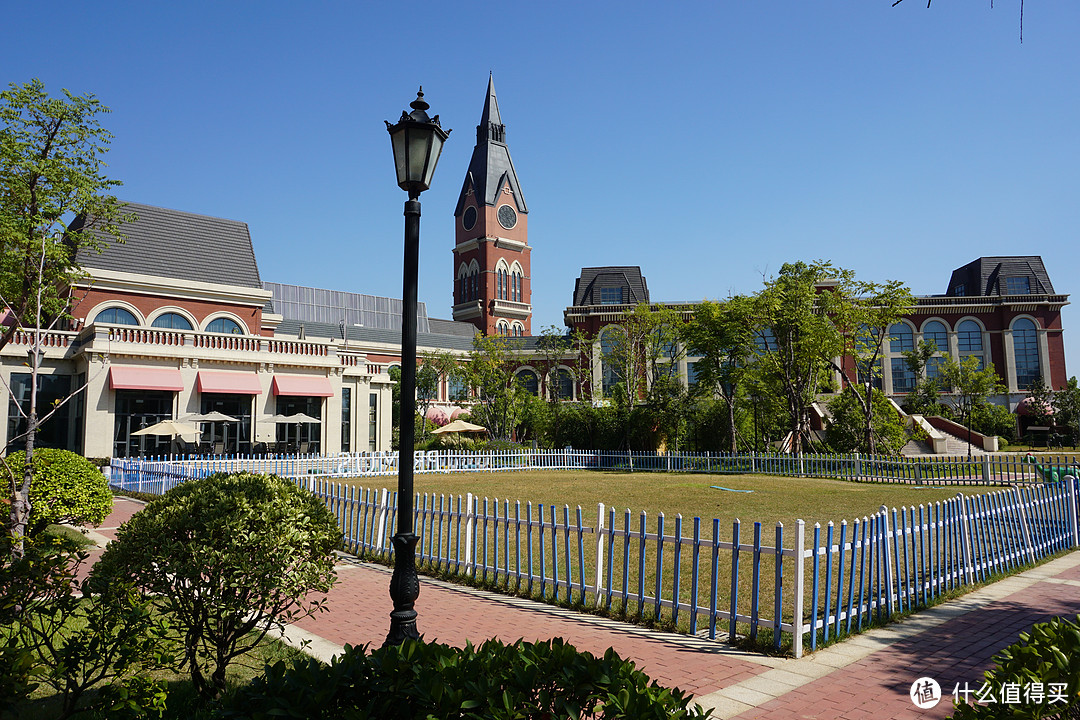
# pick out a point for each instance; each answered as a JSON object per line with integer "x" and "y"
{"x": 954, "y": 445}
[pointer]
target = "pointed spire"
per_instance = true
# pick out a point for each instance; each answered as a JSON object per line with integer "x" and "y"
{"x": 491, "y": 126}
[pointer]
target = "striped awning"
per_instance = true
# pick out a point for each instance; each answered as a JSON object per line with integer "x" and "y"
{"x": 223, "y": 381}
{"x": 142, "y": 378}
{"x": 303, "y": 386}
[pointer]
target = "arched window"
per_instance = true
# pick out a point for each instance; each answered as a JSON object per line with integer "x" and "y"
{"x": 969, "y": 341}
{"x": 901, "y": 338}
{"x": 456, "y": 390}
{"x": 561, "y": 384}
{"x": 517, "y": 329}
{"x": 501, "y": 275}
{"x": 225, "y": 326}
{"x": 529, "y": 381}
{"x": 502, "y": 328}
{"x": 172, "y": 321}
{"x": 610, "y": 375}
{"x": 1025, "y": 335}
{"x": 936, "y": 333}
{"x": 116, "y": 316}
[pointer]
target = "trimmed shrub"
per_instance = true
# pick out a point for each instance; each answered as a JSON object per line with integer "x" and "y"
{"x": 1047, "y": 657}
{"x": 229, "y": 556}
{"x": 66, "y": 488}
{"x": 549, "y": 679}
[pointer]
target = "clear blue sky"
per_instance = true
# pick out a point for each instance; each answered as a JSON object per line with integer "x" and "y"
{"x": 707, "y": 142}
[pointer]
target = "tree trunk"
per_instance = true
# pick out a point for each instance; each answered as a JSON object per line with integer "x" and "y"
{"x": 731, "y": 423}
{"x": 20, "y": 503}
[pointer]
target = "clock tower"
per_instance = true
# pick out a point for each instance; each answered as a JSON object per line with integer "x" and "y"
{"x": 492, "y": 282}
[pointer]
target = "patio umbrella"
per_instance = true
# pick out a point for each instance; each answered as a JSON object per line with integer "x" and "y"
{"x": 214, "y": 416}
{"x": 458, "y": 426}
{"x": 172, "y": 428}
{"x": 294, "y": 418}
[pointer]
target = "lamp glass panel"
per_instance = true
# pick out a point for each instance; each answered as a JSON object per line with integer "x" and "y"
{"x": 397, "y": 139}
{"x": 436, "y": 150}
{"x": 419, "y": 141}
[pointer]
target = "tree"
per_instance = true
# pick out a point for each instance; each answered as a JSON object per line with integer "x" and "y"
{"x": 722, "y": 334}
{"x": 230, "y": 557}
{"x": 847, "y": 426}
{"x": 67, "y": 488}
{"x": 796, "y": 338}
{"x": 432, "y": 368}
{"x": 72, "y": 641}
{"x": 489, "y": 372}
{"x": 972, "y": 387}
{"x": 923, "y": 398}
{"x": 864, "y": 312}
{"x": 55, "y": 200}
{"x": 1067, "y": 405}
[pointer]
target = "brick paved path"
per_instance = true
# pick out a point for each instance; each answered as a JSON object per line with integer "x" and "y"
{"x": 868, "y": 676}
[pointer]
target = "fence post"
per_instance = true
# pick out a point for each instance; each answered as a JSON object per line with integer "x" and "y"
{"x": 599, "y": 551}
{"x": 384, "y": 507}
{"x": 858, "y": 466}
{"x": 986, "y": 469}
{"x": 800, "y": 571}
{"x": 1071, "y": 485}
{"x": 886, "y": 556}
{"x": 470, "y": 527}
{"x": 1024, "y": 525}
{"x": 966, "y": 539}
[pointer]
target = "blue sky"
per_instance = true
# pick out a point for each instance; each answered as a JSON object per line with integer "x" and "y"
{"x": 707, "y": 142}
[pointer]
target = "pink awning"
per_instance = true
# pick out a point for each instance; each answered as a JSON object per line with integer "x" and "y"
{"x": 303, "y": 385}
{"x": 138, "y": 378}
{"x": 223, "y": 381}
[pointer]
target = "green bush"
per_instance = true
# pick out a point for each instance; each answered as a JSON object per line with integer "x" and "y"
{"x": 496, "y": 681}
{"x": 228, "y": 555}
{"x": 1049, "y": 654}
{"x": 66, "y": 488}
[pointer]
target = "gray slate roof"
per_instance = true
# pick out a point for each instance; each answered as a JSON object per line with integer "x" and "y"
{"x": 173, "y": 244}
{"x": 452, "y": 327}
{"x": 986, "y": 275}
{"x": 491, "y": 166}
{"x": 628, "y": 277}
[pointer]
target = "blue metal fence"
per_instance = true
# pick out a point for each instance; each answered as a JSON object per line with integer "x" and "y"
{"x": 852, "y": 574}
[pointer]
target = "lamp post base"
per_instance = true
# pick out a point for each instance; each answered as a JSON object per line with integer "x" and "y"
{"x": 404, "y": 589}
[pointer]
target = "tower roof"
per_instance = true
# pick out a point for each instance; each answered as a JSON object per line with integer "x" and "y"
{"x": 491, "y": 166}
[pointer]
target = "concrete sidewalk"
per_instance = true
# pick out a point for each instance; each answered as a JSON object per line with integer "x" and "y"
{"x": 867, "y": 676}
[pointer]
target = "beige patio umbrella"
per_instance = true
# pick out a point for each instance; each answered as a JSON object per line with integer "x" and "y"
{"x": 171, "y": 428}
{"x": 214, "y": 416}
{"x": 458, "y": 426}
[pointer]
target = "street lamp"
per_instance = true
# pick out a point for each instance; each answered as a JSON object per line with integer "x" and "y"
{"x": 417, "y": 141}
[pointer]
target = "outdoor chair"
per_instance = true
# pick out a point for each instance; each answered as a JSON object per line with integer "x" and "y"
{"x": 305, "y": 448}
{"x": 205, "y": 448}
{"x": 219, "y": 447}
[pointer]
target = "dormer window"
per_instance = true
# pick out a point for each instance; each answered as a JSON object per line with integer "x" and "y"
{"x": 958, "y": 291}
{"x": 1017, "y": 286}
{"x": 611, "y": 296}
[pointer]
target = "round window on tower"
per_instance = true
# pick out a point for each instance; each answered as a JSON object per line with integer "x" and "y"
{"x": 468, "y": 218}
{"x": 507, "y": 216}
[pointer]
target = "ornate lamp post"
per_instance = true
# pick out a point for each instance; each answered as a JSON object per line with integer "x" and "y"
{"x": 417, "y": 141}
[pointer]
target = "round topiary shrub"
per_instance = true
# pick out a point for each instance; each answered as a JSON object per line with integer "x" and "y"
{"x": 66, "y": 488}
{"x": 229, "y": 556}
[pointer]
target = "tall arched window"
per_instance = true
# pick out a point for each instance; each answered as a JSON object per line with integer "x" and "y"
{"x": 171, "y": 321}
{"x": 1025, "y": 335}
{"x": 529, "y": 381}
{"x": 901, "y": 340}
{"x": 969, "y": 341}
{"x": 610, "y": 375}
{"x": 561, "y": 384}
{"x": 116, "y": 316}
{"x": 936, "y": 333}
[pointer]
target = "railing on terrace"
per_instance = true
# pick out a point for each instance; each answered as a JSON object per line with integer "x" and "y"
{"x": 690, "y": 572}
{"x": 935, "y": 470}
